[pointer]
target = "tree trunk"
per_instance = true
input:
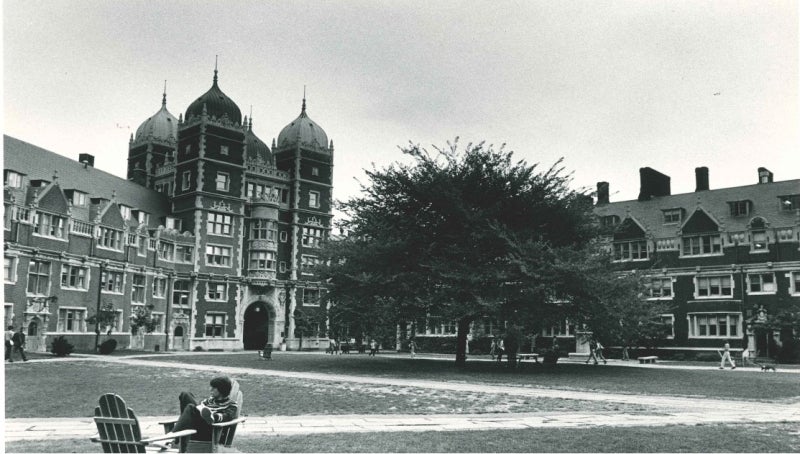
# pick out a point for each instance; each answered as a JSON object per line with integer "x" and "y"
{"x": 461, "y": 341}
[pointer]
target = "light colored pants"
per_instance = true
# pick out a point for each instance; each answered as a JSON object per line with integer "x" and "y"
{"x": 726, "y": 355}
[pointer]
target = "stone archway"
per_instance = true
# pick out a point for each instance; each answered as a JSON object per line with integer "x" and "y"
{"x": 258, "y": 318}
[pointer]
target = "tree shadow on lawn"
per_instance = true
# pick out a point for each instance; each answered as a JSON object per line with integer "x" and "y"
{"x": 712, "y": 383}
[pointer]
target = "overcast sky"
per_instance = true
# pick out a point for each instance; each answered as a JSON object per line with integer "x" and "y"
{"x": 608, "y": 86}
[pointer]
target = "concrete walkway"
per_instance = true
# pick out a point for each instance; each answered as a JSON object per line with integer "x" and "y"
{"x": 666, "y": 410}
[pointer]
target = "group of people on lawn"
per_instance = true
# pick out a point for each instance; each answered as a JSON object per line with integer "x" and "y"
{"x": 15, "y": 343}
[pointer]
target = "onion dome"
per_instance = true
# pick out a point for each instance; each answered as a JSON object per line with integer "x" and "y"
{"x": 256, "y": 148}
{"x": 161, "y": 127}
{"x": 216, "y": 104}
{"x": 304, "y": 131}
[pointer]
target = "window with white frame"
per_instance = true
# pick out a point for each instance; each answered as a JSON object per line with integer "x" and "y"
{"x": 46, "y": 224}
{"x": 282, "y": 267}
{"x": 125, "y": 211}
{"x": 215, "y": 324}
{"x": 307, "y": 263}
{"x": 218, "y": 255}
{"x": 726, "y": 324}
{"x": 112, "y": 281}
{"x": 223, "y": 150}
{"x": 761, "y": 283}
{"x": 158, "y": 321}
{"x": 143, "y": 217}
{"x": 8, "y": 314}
{"x": 78, "y": 198}
{"x": 219, "y": 224}
{"x": 313, "y": 199}
{"x": 438, "y": 326}
{"x": 759, "y": 241}
{"x": 137, "y": 289}
{"x": 110, "y": 239}
{"x": 315, "y": 171}
{"x": 311, "y": 297}
{"x": 659, "y": 287}
{"x": 223, "y": 181}
{"x": 790, "y": 202}
{"x": 701, "y": 245}
{"x": 312, "y": 237}
{"x": 184, "y": 253}
{"x": 173, "y": 223}
{"x": 563, "y": 329}
{"x": 10, "y": 269}
{"x": 166, "y": 251}
{"x": 262, "y": 260}
{"x": 71, "y": 320}
{"x": 713, "y": 286}
{"x": 186, "y": 181}
{"x": 284, "y": 237}
{"x": 630, "y": 250}
{"x": 181, "y": 290}
{"x": 159, "y": 287}
{"x": 12, "y": 179}
{"x": 739, "y": 208}
{"x": 795, "y": 283}
{"x": 38, "y": 277}
{"x": 262, "y": 229}
{"x": 141, "y": 245}
{"x": 669, "y": 321}
{"x": 217, "y": 291}
{"x": 74, "y": 277}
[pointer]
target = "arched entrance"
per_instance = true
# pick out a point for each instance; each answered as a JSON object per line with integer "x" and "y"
{"x": 256, "y": 326}
{"x": 177, "y": 338}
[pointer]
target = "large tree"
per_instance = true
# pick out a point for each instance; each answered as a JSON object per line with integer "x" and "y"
{"x": 460, "y": 235}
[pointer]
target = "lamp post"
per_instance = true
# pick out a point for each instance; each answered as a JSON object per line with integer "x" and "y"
{"x": 97, "y": 311}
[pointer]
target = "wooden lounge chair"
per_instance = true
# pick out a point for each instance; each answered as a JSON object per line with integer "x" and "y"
{"x": 221, "y": 432}
{"x": 118, "y": 428}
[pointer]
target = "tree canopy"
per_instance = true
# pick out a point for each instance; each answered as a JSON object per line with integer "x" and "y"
{"x": 465, "y": 234}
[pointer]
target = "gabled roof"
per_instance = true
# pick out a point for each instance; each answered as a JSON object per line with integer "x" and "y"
{"x": 764, "y": 197}
{"x": 39, "y": 164}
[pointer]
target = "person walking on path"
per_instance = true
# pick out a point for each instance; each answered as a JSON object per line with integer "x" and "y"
{"x": 501, "y": 348}
{"x": 592, "y": 350}
{"x": 599, "y": 353}
{"x": 493, "y": 348}
{"x": 218, "y": 407}
{"x": 373, "y": 347}
{"x": 412, "y": 347}
{"x": 9, "y": 343}
{"x": 725, "y": 353}
{"x": 19, "y": 343}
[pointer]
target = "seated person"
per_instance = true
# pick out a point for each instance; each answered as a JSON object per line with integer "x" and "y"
{"x": 219, "y": 407}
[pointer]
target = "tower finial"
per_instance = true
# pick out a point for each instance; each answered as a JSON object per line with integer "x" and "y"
{"x": 216, "y": 61}
{"x": 303, "y": 110}
{"x": 164, "y": 98}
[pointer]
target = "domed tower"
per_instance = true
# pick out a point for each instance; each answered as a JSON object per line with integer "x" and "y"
{"x": 256, "y": 149}
{"x": 208, "y": 199}
{"x": 305, "y": 154}
{"x": 155, "y": 139}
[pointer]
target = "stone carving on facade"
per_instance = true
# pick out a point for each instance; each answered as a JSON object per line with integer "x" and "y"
{"x": 263, "y": 244}
{"x": 220, "y": 205}
{"x": 313, "y": 221}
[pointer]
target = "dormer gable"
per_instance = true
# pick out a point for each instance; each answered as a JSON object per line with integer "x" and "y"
{"x": 701, "y": 221}
{"x": 51, "y": 198}
{"x": 111, "y": 216}
{"x": 629, "y": 229}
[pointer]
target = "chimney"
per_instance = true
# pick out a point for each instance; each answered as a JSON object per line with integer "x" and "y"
{"x": 764, "y": 175}
{"x": 701, "y": 177}
{"x": 652, "y": 183}
{"x": 602, "y": 193}
{"x": 86, "y": 159}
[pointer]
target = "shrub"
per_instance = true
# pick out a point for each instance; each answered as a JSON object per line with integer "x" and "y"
{"x": 198, "y": 349}
{"x": 61, "y": 346}
{"x": 107, "y": 347}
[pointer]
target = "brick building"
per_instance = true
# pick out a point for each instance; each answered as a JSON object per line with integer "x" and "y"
{"x": 727, "y": 259}
{"x": 212, "y": 236}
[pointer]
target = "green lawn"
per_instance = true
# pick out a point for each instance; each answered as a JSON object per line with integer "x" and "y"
{"x": 705, "y": 438}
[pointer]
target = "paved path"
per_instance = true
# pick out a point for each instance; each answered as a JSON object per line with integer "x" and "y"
{"x": 666, "y": 410}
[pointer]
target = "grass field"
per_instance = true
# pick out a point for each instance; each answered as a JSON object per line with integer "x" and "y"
{"x": 71, "y": 389}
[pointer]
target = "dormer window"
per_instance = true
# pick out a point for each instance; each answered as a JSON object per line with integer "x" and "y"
{"x": 609, "y": 221}
{"x": 672, "y": 216}
{"x": 125, "y": 211}
{"x": 630, "y": 250}
{"x": 172, "y": 223}
{"x": 78, "y": 198}
{"x": 143, "y": 217}
{"x": 790, "y": 202}
{"x": 758, "y": 235}
{"x": 740, "y": 208}
{"x": 702, "y": 245}
{"x": 12, "y": 179}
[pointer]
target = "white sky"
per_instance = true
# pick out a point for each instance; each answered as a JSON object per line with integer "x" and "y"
{"x": 609, "y": 86}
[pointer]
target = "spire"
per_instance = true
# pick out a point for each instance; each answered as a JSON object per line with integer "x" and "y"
{"x": 164, "y": 99}
{"x": 216, "y": 61}
{"x": 303, "y": 110}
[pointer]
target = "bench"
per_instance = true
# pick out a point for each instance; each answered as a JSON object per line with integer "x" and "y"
{"x": 526, "y": 356}
{"x": 647, "y": 359}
